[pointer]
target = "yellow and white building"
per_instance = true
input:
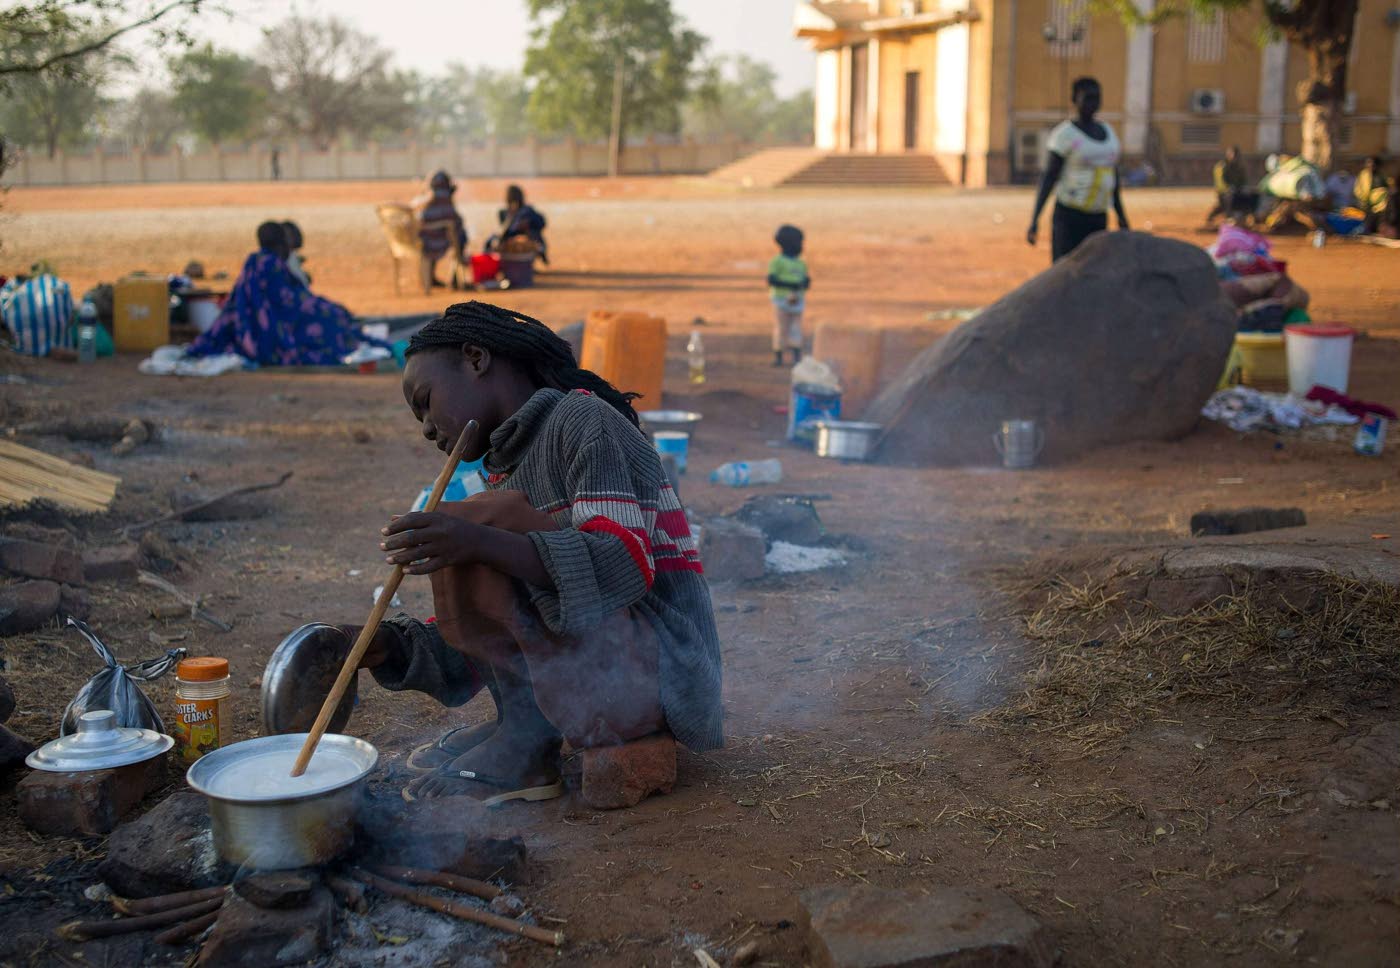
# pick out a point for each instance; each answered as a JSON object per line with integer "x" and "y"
{"x": 977, "y": 84}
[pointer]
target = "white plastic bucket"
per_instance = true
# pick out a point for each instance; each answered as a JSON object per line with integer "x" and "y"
{"x": 1318, "y": 355}
{"x": 203, "y": 311}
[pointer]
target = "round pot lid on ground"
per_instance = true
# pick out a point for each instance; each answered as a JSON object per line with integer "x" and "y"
{"x": 99, "y": 744}
{"x": 298, "y": 678}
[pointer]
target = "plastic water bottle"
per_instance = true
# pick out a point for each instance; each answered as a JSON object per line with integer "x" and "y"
{"x": 87, "y": 332}
{"x": 695, "y": 351}
{"x": 742, "y": 473}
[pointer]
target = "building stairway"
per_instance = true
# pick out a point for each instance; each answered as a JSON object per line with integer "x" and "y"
{"x": 810, "y": 168}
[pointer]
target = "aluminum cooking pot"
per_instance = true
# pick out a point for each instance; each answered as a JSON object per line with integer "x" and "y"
{"x": 264, "y": 819}
{"x": 847, "y": 439}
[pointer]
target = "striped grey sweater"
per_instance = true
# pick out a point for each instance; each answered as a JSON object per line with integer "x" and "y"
{"x": 624, "y": 542}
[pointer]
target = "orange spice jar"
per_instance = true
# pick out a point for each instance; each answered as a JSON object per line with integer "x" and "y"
{"x": 201, "y": 717}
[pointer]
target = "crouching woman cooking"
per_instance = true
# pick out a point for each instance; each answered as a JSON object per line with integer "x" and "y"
{"x": 571, "y": 589}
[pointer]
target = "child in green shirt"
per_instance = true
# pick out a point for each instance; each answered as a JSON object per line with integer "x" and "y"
{"x": 788, "y": 282}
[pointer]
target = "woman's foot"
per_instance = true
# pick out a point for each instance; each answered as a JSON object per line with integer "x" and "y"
{"x": 506, "y": 768}
{"x": 452, "y": 744}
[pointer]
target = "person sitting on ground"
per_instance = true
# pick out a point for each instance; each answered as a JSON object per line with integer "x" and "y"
{"x": 1296, "y": 190}
{"x": 520, "y": 225}
{"x": 1373, "y": 193}
{"x": 271, "y": 318}
{"x": 1233, "y": 199}
{"x": 571, "y": 589}
{"x": 1083, "y": 173}
{"x": 443, "y": 230}
{"x": 788, "y": 283}
{"x": 295, "y": 263}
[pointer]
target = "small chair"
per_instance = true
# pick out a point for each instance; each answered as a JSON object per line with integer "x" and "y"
{"x": 400, "y": 227}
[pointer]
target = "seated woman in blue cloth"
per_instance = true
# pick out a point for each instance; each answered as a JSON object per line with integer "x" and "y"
{"x": 520, "y": 223}
{"x": 273, "y": 319}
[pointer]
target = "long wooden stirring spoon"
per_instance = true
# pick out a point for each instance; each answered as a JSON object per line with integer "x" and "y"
{"x": 352, "y": 661}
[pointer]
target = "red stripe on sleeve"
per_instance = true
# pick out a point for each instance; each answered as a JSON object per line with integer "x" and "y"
{"x": 637, "y": 545}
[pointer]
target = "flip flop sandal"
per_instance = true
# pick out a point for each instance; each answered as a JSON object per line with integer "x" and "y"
{"x": 548, "y": 791}
{"x": 424, "y": 769}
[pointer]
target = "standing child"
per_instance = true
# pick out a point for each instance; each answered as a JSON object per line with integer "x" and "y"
{"x": 570, "y": 589}
{"x": 788, "y": 283}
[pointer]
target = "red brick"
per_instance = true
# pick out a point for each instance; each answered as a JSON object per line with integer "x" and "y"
{"x": 13, "y": 750}
{"x": 732, "y": 550}
{"x": 27, "y": 606}
{"x": 863, "y": 926}
{"x": 33, "y": 559}
{"x": 116, "y": 563}
{"x": 623, "y": 776}
{"x": 75, "y": 602}
{"x": 247, "y": 936}
{"x": 90, "y": 803}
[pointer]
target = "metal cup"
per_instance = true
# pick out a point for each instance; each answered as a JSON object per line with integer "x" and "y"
{"x": 1019, "y": 443}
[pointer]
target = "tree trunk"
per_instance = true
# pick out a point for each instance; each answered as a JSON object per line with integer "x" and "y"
{"x": 615, "y": 141}
{"x": 1324, "y": 29}
{"x": 1322, "y": 96}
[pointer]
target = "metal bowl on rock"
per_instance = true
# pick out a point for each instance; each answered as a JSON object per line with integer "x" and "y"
{"x": 298, "y": 678}
{"x": 263, "y": 818}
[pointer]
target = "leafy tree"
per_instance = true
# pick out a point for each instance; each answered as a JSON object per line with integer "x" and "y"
{"x": 148, "y": 120}
{"x": 219, "y": 94}
{"x": 55, "y": 107}
{"x": 474, "y": 104}
{"x": 1324, "y": 29}
{"x": 59, "y": 35}
{"x": 737, "y": 99}
{"x": 329, "y": 79}
{"x": 605, "y": 67}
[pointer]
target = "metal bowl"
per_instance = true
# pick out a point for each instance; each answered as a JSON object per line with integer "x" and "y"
{"x": 684, "y": 421}
{"x": 281, "y": 829}
{"x": 298, "y": 678}
{"x": 847, "y": 439}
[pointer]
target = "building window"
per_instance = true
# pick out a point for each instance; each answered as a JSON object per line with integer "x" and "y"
{"x": 1205, "y": 37}
{"x": 1200, "y": 135}
{"x": 1068, "y": 30}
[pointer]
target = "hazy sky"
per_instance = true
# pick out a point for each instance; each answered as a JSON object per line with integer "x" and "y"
{"x": 426, "y": 34}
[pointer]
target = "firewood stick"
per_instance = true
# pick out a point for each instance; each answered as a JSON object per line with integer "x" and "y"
{"x": 453, "y": 882}
{"x": 166, "y": 902}
{"x": 462, "y": 911}
{"x": 235, "y": 492}
{"x": 352, "y": 661}
{"x": 89, "y": 930}
{"x": 351, "y": 894}
{"x": 183, "y": 932}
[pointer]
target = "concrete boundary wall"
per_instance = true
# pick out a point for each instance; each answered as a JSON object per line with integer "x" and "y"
{"x": 531, "y": 158}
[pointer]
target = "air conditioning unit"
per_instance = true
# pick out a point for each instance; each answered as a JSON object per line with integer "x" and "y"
{"x": 1031, "y": 150}
{"x": 1349, "y": 103}
{"x": 1207, "y": 100}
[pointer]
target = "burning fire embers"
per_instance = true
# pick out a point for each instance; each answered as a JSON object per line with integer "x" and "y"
{"x": 263, "y": 916}
{"x": 417, "y": 870}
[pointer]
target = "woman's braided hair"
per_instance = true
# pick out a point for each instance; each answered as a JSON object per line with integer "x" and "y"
{"x": 528, "y": 343}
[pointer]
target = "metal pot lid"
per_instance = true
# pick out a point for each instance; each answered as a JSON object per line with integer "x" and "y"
{"x": 99, "y": 744}
{"x": 299, "y": 676}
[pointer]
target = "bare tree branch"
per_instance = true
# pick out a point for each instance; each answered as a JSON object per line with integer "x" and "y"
{"x": 98, "y": 43}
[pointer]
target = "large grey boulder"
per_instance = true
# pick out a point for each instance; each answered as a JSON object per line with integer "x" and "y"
{"x": 1123, "y": 340}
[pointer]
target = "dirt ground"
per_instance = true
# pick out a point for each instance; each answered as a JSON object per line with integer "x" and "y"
{"x": 872, "y": 732}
